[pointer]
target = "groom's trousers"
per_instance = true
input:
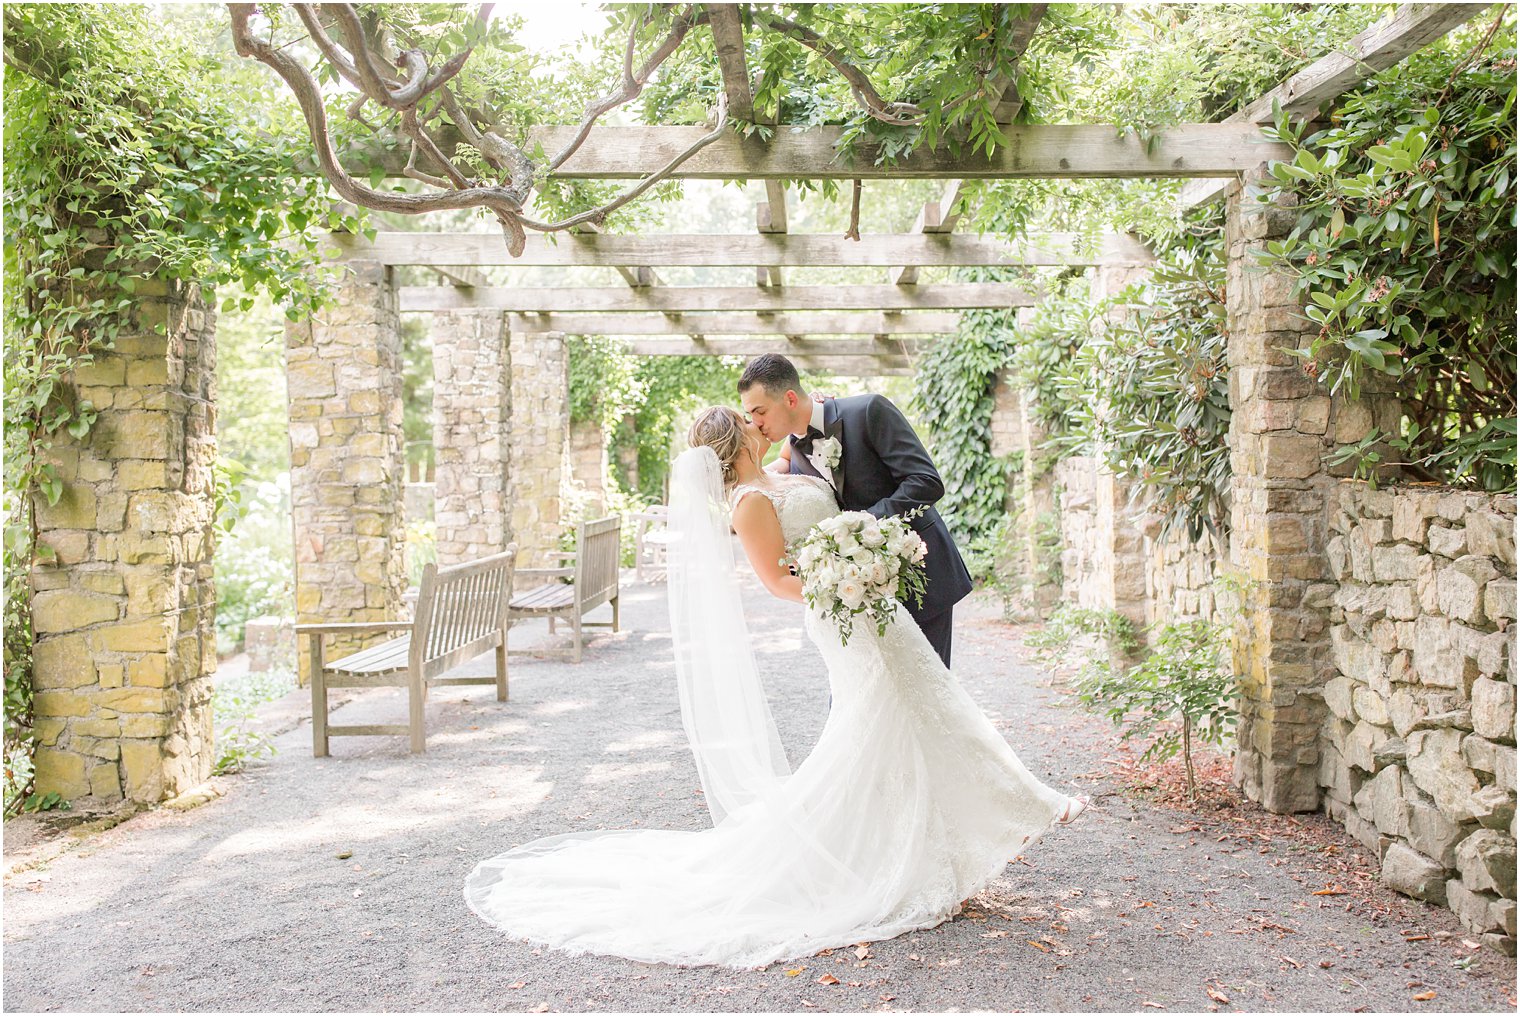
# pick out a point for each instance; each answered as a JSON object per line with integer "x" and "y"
{"x": 937, "y": 628}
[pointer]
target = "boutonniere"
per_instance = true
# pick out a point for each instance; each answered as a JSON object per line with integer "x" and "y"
{"x": 829, "y": 450}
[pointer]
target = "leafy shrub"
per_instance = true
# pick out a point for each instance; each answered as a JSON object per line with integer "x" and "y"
{"x": 1404, "y": 246}
{"x": 1181, "y": 692}
{"x": 233, "y": 708}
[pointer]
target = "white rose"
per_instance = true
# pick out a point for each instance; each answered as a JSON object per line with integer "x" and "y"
{"x": 872, "y": 536}
{"x": 878, "y": 573}
{"x": 851, "y": 593}
{"x": 920, "y": 550}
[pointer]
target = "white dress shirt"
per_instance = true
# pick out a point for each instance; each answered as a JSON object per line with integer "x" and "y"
{"x": 816, "y": 456}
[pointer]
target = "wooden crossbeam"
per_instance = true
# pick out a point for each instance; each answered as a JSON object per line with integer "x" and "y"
{"x": 887, "y": 350}
{"x": 1057, "y": 151}
{"x": 1407, "y": 30}
{"x": 462, "y": 276}
{"x": 684, "y": 299}
{"x": 849, "y": 322}
{"x": 1074, "y": 151}
{"x": 720, "y": 250}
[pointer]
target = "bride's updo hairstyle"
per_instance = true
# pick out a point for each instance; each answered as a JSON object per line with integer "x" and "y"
{"x": 721, "y": 429}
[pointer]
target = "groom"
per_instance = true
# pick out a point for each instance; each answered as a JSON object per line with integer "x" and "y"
{"x": 881, "y": 468}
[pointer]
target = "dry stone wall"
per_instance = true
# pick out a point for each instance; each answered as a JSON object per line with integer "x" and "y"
{"x": 1419, "y": 746}
{"x": 124, "y": 620}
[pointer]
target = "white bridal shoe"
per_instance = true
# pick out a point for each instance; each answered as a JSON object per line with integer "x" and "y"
{"x": 1082, "y": 802}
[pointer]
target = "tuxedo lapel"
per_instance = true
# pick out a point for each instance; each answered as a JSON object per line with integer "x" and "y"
{"x": 800, "y": 462}
{"x": 833, "y": 426}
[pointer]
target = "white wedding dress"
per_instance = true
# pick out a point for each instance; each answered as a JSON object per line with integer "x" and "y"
{"x": 910, "y": 803}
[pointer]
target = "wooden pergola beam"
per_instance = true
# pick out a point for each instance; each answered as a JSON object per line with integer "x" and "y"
{"x": 1407, "y": 30}
{"x": 462, "y": 276}
{"x": 1073, "y": 151}
{"x": 1058, "y": 151}
{"x": 686, "y": 299}
{"x": 849, "y": 322}
{"x": 721, "y": 250}
{"x": 889, "y": 350}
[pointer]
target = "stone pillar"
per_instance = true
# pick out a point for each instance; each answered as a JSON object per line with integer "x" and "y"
{"x": 1038, "y": 520}
{"x": 589, "y": 464}
{"x": 1121, "y": 562}
{"x": 124, "y": 638}
{"x": 1282, "y": 425}
{"x": 472, "y": 416}
{"x": 540, "y": 444}
{"x": 347, "y": 457}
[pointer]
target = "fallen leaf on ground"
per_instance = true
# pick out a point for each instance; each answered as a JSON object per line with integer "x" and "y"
{"x": 517, "y": 984}
{"x": 1333, "y": 890}
{"x": 1039, "y": 945}
{"x": 862, "y": 951}
{"x": 1424, "y": 996}
{"x": 1217, "y": 996}
{"x": 1155, "y": 1005}
{"x": 794, "y": 973}
{"x": 828, "y": 979}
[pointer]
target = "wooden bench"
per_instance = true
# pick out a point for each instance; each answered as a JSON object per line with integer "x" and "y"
{"x": 593, "y": 574}
{"x": 461, "y": 613}
{"x": 649, "y": 541}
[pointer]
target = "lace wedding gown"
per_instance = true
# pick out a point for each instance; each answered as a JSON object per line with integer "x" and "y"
{"x": 910, "y": 802}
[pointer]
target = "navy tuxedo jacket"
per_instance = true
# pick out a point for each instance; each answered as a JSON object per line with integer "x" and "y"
{"x": 883, "y": 469}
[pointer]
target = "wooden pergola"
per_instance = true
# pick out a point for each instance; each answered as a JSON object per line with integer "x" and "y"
{"x": 866, "y": 329}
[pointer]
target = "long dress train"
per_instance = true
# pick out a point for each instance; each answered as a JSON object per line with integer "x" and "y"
{"x": 910, "y": 802}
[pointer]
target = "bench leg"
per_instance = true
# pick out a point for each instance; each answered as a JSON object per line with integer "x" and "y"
{"x": 575, "y": 622}
{"x": 415, "y": 699}
{"x": 501, "y": 668}
{"x": 318, "y": 700}
{"x": 614, "y": 613}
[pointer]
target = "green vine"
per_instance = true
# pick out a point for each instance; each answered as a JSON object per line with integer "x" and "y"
{"x": 953, "y": 396}
{"x": 132, "y": 173}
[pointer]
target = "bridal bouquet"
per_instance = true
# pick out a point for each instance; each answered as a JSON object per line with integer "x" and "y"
{"x": 855, "y": 563}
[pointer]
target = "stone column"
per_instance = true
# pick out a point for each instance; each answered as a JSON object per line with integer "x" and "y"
{"x": 1281, "y": 428}
{"x": 540, "y": 444}
{"x": 472, "y": 416}
{"x": 1038, "y": 521}
{"x": 1121, "y": 564}
{"x": 124, "y": 638}
{"x": 589, "y": 464}
{"x": 347, "y": 458}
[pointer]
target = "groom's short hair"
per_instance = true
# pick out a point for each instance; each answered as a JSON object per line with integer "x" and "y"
{"x": 773, "y": 372}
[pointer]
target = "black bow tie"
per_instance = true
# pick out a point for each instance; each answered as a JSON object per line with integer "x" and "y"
{"x": 805, "y": 442}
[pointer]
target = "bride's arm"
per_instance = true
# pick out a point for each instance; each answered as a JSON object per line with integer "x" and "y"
{"x": 760, "y": 531}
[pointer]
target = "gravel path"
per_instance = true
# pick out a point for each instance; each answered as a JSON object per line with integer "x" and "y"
{"x": 244, "y": 904}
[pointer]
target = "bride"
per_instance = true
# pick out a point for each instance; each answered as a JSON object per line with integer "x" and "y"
{"x": 910, "y": 803}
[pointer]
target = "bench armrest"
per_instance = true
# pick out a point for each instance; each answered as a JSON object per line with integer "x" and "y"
{"x": 351, "y": 627}
{"x": 564, "y": 555}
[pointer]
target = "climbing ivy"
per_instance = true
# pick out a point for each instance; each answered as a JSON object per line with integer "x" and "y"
{"x": 953, "y": 396}
{"x": 131, "y": 165}
{"x": 604, "y": 381}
